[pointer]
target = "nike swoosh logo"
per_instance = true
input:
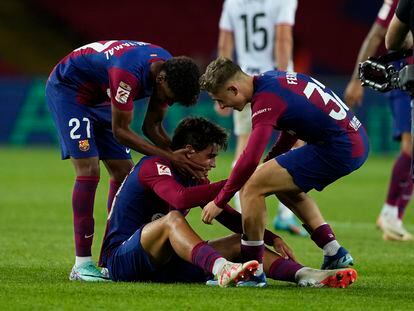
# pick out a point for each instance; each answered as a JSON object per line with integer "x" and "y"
{"x": 89, "y": 236}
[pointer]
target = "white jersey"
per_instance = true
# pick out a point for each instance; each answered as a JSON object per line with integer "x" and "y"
{"x": 253, "y": 25}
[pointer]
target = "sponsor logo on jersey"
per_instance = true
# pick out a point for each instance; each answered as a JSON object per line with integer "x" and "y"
{"x": 261, "y": 111}
{"x": 122, "y": 93}
{"x": 84, "y": 145}
{"x": 163, "y": 169}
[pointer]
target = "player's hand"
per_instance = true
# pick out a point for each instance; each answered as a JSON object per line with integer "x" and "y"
{"x": 225, "y": 112}
{"x": 354, "y": 93}
{"x": 186, "y": 166}
{"x": 283, "y": 249}
{"x": 210, "y": 211}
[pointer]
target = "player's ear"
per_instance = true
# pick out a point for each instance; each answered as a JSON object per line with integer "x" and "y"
{"x": 161, "y": 77}
{"x": 190, "y": 151}
{"x": 232, "y": 89}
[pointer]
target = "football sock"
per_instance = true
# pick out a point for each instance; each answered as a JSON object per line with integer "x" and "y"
{"x": 83, "y": 198}
{"x": 405, "y": 198}
{"x": 399, "y": 177}
{"x": 81, "y": 260}
{"x": 389, "y": 210}
{"x": 253, "y": 250}
{"x": 113, "y": 188}
{"x": 284, "y": 269}
{"x": 322, "y": 236}
{"x": 204, "y": 256}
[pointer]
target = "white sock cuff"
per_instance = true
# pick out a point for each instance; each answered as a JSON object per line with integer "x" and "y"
{"x": 252, "y": 243}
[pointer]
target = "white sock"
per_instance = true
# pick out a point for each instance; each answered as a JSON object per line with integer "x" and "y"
{"x": 218, "y": 265}
{"x": 236, "y": 200}
{"x": 389, "y": 210}
{"x": 331, "y": 248}
{"x": 81, "y": 260}
{"x": 284, "y": 211}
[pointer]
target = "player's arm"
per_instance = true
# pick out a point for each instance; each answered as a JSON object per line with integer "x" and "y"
{"x": 152, "y": 126}
{"x": 398, "y": 36}
{"x": 283, "y": 46}
{"x": 121, "y": 128}
{"x": 225, "y": 48}
{"x": 157, "y": 177}
{"x": 226, "y": 44}
{"x": 284, "y": 143}
{"x": 354, "y": 92}
{"x": 246, "y": 164}
{"x": 232, "y": 220}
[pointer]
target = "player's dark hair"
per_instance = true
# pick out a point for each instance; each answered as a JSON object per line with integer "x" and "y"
{"x": 218, "y": 72}
{"x": 182, "y": 78}
{"x": 199, "y": 133}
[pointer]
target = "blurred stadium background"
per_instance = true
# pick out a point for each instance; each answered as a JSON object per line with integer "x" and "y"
{"x": 36, "y": 34}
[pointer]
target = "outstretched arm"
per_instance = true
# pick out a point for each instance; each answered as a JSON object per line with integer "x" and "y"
{"x": 354, "y": 92}
{"x": 398, "y": 36}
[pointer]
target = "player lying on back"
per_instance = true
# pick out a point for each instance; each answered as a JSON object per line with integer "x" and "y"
{"x": 148, "y": 238}
{"x": 90, "y": 94}
{"x": 302, "y": 108}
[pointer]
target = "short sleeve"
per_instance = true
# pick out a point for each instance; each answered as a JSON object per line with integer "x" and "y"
{"x": 225, "y": 19}
{"x": 124, "y": 86}
{"x": 284, "y": 12}
{"x": 386, "y": 13}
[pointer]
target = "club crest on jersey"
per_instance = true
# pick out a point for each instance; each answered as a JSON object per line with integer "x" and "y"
{"x": 84, "y": 145}
{"x": 163, "y": 169}
{"x": 122, "y": 93}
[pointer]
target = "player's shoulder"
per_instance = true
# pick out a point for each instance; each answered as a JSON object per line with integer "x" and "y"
{"x": 155, "y": 166}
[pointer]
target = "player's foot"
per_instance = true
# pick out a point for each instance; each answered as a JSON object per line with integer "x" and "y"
{"x": 254, "y": 281}
{"x": 378, "y": 223}
{"x": 87, "y": 272}
{"x": 394, "y": 230}
{"x": 231, "y": 273}
{"x": 340, "y": 278}
{"x": 342, "y": 259}
{"x": 289, "y": 224}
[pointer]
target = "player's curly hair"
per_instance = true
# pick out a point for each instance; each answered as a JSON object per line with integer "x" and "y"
{"x": 182, "y": 75}
{"x": 199, "y": 133}
{"x": 218, "y": 72}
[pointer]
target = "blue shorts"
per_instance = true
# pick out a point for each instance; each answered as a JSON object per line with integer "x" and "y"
{"x": 129, "y": 262}
{"x": 83, "y": 131}
{"x": 315, "y": 167}
{"x": 401, "y": 112}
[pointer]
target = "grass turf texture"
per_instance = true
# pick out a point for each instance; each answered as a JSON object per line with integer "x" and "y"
{"x": 36, "y": 247}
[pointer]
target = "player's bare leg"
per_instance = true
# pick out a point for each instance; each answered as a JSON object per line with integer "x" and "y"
{"x": 279, "y": 268}
{"x": 271, "y": 178}
{"x": 83, "y": 197}
{"x": 172, "y": 233}
{"x": 399, "y": 195}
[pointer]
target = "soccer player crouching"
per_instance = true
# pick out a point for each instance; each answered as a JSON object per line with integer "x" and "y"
{"x": 301, "y": 108}
{"x": 148, "y": 238}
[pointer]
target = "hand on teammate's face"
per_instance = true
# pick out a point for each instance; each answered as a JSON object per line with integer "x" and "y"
{"x": 186, "y": 166}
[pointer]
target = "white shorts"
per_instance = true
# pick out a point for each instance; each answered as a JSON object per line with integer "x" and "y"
{"x": 242, "y": 121}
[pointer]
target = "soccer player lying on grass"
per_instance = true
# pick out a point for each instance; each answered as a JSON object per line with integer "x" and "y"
{"x": 90, "y": 93}
{"x": 148, "y": 238}
{"x": 301, "y": 108}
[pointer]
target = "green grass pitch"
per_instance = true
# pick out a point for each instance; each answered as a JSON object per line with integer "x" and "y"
{"x": 36, "y": 247}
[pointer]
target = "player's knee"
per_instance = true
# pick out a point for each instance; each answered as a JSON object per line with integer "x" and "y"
{"x": 250, "y": 189}
{"x": 87, "y": 167}
{"x": 174, "y": 219}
